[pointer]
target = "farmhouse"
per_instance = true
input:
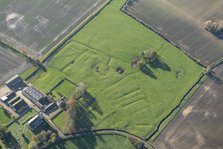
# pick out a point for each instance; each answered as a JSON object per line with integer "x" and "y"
{"x": 33, "y": 123}
{"x": 14, "y": 83}
{"x": 34, "y": 95}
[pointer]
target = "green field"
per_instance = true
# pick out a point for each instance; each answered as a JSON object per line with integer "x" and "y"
{"x": 66, "y": 88}
{"x": 133, "y": 101}
{"x": 99, "y": 142}
{"x": 4, "y": 118}
{"x": 60, "y": 120}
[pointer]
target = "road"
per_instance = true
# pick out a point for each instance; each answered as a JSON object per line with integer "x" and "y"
{"x": 108, "y": 131}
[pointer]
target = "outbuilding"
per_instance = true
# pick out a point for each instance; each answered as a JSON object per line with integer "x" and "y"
{"x": 14, "y": 83}
{"x": 33, "y": 123}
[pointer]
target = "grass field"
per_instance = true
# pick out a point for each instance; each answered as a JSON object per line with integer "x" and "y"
{"x": 33, "y": 26}
{"x": 5, "y": 118}
{"x": 60, "y": 120}
{"x": 2, "y": 146}
{"x": 132, "y": 101}
{"x": 182, "y": 22}
{"x": 98, "y": 142}
{"x": 66, "y": 88}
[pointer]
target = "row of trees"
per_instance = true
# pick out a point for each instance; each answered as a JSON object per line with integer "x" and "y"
{"x": 70, "y": 126}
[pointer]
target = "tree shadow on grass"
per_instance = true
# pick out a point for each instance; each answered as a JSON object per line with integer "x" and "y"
{"x": 145, "y": 69}
{"x": 12, "y": 142}
{"x": 86, "y": 142}
{"x": 7, "y": 113}
{"x": 90, "y": 101}
{"x": 160, "y": 64}
{"x": 27, "y": 140}
{"x": 84, "y": 123}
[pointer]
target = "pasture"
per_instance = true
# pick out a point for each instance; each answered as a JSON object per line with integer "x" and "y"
{"x": 10, "y": 64}
{"x": 60, "y": 120}
{"x": 199, "y": 124}
{"x": 96, "y": 142}
{"x": 34, "y": 26}
{"x": 181, "y": 22}
{"x": 134, "y": 101}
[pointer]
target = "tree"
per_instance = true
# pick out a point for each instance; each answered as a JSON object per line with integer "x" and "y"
{"x": 53, "y": 137}
{"x": 33, "y": 145}
{"x": 80, "y": 90}
{"x": 141, "y": 63}
{"x": 136, "y": 142}
{"x": 214, "y": 27}
{"x": 149, "y": 55}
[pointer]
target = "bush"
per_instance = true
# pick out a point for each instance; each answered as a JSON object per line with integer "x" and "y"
{"x": 136, "y": 142}
{"x": 214, "y": 27}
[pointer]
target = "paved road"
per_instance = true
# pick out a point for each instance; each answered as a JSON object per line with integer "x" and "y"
{"x": 107, "y": 132}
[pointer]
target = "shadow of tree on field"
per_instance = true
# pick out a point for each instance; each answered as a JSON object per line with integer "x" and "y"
{"x": 90, "y": 101}
{"x": 131, "y": 2}
{"x": 84, "y": 123}
{"x": 7, "y": 113}
{"x": 214, "y": 78}
{"x": 219, "y": 34}
{"x": 86, "y": 142}
{"x": 26, "y": 139}
{"x": 160, "y": 64}
{"x": 145, "y": 69}
{"x": 12, "y": 142}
